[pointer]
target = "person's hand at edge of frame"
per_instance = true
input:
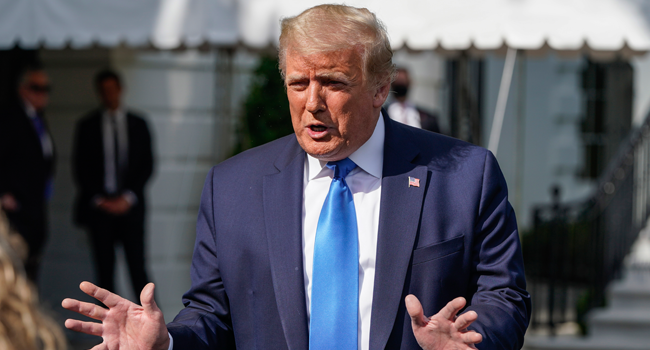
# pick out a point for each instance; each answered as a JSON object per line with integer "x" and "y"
{"x": 124, "y": 325}
{"x": 443, "y": 330}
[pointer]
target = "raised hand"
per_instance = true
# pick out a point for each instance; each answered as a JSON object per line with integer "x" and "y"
{"x": 443, "y": 331}
{"x": 124, "y": 325}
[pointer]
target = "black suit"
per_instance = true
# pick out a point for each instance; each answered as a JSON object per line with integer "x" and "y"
{"x": 25, "y": 172}
{"x": 107, "y": 229}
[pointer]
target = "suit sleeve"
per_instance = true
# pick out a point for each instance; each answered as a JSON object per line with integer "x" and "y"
{"x": 145, "y": 164}
{"x": 81, "y": 157}
{"x": 205, "y": 321}
{"x": 500, "y": 299}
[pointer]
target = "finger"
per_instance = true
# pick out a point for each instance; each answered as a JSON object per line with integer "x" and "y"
{"x": 101, "y": 346}
{"x": 91, "y": 328}
{"x": 464, "y": 320}
{"x": 107, "y": 298}
{"x": 471, "y": 337}
{"x": 414, "y": 309}
{"x": 86, "y": 309}
{"x": 451, "y": 309}
{"x": 147, "y": 300}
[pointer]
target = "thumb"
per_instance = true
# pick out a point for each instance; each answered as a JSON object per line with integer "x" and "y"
{"x": 146, "y": 298}
{"x": 414, "y": 309}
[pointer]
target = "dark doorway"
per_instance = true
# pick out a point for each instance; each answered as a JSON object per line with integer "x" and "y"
{"x": 608, "y": 89}
{"x": 465, "y": 79}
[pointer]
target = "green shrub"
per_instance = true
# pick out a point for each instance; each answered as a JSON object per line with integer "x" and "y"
{"x": 266, "y": 109}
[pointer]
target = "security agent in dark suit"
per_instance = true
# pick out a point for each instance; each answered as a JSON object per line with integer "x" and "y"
{"x": 435, "y": 232}
{"x": 27, "y": 161}
{"x": 112, "y": 161}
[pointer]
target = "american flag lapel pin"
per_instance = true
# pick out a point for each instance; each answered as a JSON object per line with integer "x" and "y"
{"x": 414, "y": 182}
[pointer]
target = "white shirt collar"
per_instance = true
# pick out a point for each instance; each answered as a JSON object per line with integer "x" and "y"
{"x": 119, "y": 113}
{"x": 29, "y": 109}
{"x": 369, "y": 157}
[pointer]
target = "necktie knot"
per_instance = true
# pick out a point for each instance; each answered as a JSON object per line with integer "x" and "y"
{"x": 342, "y": 167}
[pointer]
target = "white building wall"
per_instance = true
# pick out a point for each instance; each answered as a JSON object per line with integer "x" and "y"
{"x": 641, "y": 67}
{"x": 176, "y": 91}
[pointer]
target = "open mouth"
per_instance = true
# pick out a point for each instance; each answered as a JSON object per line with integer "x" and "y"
{"x": 318, "y": 128}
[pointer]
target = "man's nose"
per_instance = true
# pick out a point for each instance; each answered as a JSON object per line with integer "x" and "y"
{"x": 315, "y": 101}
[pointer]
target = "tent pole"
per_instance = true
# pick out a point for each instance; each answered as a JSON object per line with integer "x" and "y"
{"x": 502, "y": 100}
{"x": 520, "y": 133}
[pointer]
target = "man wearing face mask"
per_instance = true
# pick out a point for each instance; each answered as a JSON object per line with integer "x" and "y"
{"x": 406, "y": 112}
{"x": 27, "y": 161}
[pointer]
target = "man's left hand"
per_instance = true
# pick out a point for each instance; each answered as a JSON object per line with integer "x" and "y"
{"x": 116, "y": 206}
{"x": 444, "y": 330}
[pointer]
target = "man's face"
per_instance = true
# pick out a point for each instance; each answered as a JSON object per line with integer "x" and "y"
{"x": 36, "y": 90}
{"x": 332, "y": 111}
{"x": 110, "y": 92}
{"x": 400, "y": 86}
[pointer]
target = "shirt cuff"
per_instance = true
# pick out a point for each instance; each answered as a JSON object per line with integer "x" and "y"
{"x": 171, "y": 342}
{"x": 130, "y": 197}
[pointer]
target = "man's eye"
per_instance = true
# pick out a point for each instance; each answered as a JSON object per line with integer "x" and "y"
{"x": 298, "y": 84}
{"x": 336, "y": 83}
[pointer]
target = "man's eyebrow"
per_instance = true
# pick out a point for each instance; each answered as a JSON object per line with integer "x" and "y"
{"x": 334, "y": 75}
{"x": 294, "y": 77}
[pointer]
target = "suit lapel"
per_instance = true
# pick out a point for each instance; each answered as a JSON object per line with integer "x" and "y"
{"x": 399, "y": 217}
{"x": 283, "y": 197}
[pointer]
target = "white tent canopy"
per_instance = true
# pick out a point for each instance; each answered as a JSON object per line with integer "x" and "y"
{"x": 165, "y": 24}
{"x": 564, "y": 25}
{"x": 444, "y": 25}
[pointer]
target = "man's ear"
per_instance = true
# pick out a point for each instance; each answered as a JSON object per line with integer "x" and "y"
{"x": 381, "y": 94}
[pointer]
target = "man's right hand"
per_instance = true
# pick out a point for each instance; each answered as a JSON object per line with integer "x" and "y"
{"x": 124, "y": 325}
{"x": 444, "y": 330}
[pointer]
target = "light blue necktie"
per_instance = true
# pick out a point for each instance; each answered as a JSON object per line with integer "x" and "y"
{"x": 335, "y": 274}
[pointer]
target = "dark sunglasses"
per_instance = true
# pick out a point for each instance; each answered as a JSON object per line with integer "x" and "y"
{"x": 39, "y": 88}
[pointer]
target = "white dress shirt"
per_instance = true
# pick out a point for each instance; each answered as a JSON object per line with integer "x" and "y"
{"x": 405, "y": 113}
{"x": 110, "y": 171}
{"x": 365, "y": 184}
{"x": 46, "y": 140}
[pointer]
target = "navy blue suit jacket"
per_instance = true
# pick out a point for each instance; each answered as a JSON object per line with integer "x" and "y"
{"x": 455, "y": 235}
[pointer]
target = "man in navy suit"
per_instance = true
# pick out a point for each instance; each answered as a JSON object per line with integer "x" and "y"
{"x": 436, "y": 233}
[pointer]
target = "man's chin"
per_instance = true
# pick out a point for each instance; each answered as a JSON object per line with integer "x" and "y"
{"x": 325, "y": 150}
{"x": 331, "y": 156}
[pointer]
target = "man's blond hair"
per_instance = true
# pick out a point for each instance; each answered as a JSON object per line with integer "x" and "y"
{"x": 329, "y": 28}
